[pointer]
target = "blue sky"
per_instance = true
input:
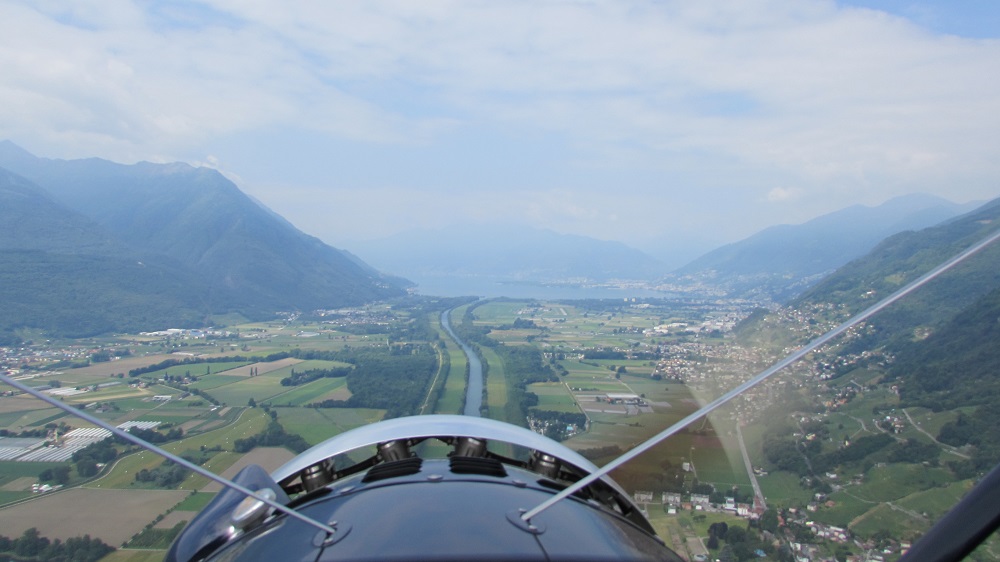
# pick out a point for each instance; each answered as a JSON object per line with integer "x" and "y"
{"x": 667, "y": 125}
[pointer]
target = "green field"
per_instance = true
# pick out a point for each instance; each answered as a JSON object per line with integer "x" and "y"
{"x": 453, "y": 397}
{"x": 130, "y": 555}
{"x": 846, "y": 508}
{"x": 196, "y": 369}
{"x": 10, "y": 470}
{"x": 935, "y": 502}
{"x": 30, "y": 419}
{"x": 866, "y": 508}
{"x": 313, "y": 391}
{"x": 496, "y": 386}
{"x": 317, "y": 425}
{"x": 209, "y": 382}
{"x": 217, "y": 464}
{"x": 782, "y": 489}
{"x": 497, "y": 312}
{"x": 259, "y": 388}
{"x": 554, "y": 396}
{"x": 195, "y": 502}
{"x": 895, "y": 481}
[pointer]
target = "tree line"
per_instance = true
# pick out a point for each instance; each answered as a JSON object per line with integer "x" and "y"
{"x": 31, "y": 545}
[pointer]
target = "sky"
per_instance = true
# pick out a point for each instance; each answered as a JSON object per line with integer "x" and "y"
{"x": 665, "y": 125}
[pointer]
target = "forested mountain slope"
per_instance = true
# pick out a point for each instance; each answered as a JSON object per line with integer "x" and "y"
{"x": 92, "y": 246}
{"x": 904, "y": 257}
{"x": 939, "y": 347}
{"x": 203, "y": 221}
{"x": 63, "y": 273}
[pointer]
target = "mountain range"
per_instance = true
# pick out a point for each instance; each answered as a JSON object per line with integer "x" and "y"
{"x": 179, "y": 241}
{"x": 782, "y": 261}
{"x": 939, "y": 343}
{"x": 774, "y": 264}
{"x": 90, "y": 246}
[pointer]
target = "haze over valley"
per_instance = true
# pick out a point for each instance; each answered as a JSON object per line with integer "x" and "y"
{"x": 161, "y": 293}
{"x": 237, "y": 230}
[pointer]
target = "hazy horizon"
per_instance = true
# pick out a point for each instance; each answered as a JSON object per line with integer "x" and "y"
{"x": 641, "y": 123}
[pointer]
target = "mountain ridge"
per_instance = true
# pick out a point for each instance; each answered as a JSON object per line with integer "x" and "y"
{"x": 200, "y": 222}
{"x": 781, "y": 261}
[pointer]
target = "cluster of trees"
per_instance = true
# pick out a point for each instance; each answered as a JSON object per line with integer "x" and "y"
{"x": 153, "y": 436}
{"x": 328, "y": 403}
{"x": 394, "y": 378}
{"x": 521, "y": 324}
{"x": 274, "y": 435}
{"x": 978, "y": 430}
{"x": 597, "y": 453}
{"x": 785, "y": 453}
{"x": 523, "y": 365}
{"x": 59, "y": 475}
{"x": 913, "y": 451}
{"x": 416, "y": 328}
{"x": 87, "y": 459}
{"x": 567, "y": 418}
{"x": 313, "y": 374}
{"x": 32, "y": 546}
{"x": 167, "y": 475}
{"x": 737, "y": 543}
{"x": 558, "y": 422}
{"x": 858, "y": 450}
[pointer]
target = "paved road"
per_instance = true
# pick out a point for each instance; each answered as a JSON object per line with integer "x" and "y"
{"x": 746, "y": 460}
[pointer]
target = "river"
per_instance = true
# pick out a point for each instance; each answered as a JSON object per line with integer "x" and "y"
{"x": 474, "y": 388}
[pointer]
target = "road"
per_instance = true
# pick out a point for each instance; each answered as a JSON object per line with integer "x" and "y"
{"x": 758, "y": 495}
{"x": 947, "y": 448}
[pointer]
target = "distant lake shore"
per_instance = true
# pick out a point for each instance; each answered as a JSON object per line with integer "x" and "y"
{"x": 448, "y": 286}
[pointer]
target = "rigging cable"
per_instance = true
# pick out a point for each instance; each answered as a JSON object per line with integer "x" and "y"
{"x": 165, "y": 454}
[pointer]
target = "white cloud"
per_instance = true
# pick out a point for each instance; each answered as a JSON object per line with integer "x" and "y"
{"x": 783, "y": 194}
{"x": 678, "y": 99}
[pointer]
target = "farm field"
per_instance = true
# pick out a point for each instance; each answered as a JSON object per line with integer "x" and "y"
{"x": 453, "y": 397}
{"x": 270, "y": 458}
{"x": 131, "y": 555}
{"x": 319, "y": 424}
{"x": 123, "y": 473}
{"x": 110, "y": 515}
{"x": 314, "y": 391}
{"x": 782, "y": 489}
{"x": 21, "y": 418}
{"x": 259, "y": 388}
{"x": 554, "y": 396}
{"x": 196, "y": 369}
{"x": 496, "y": 386}
{"x": 124, "y": 365}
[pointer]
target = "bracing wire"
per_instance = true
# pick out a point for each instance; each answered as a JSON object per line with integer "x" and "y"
{"x": 165, "y": 454}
